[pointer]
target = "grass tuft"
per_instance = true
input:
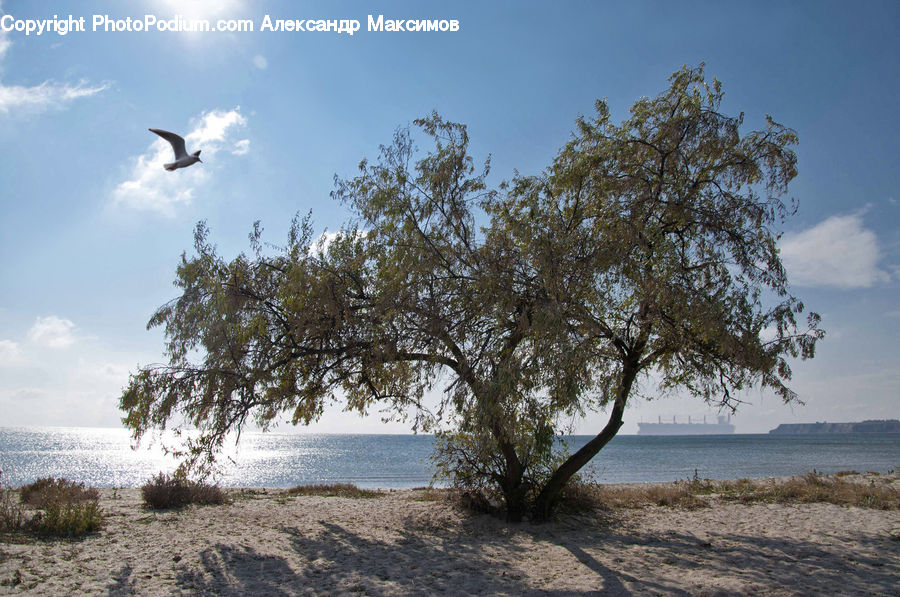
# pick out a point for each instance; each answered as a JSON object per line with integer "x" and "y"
{"x": 843, "y": 489}
{"x": 345, "y": 490}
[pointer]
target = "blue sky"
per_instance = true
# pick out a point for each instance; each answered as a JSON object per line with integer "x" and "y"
{"x": 92, "y": 227}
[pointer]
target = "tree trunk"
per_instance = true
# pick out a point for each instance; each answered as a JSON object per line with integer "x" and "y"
{"x": 513, "y": 491}
{"x": 549, "y": 495}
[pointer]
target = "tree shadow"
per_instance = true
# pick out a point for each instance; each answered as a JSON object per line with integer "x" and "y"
{"x": 478, "y": 554}
{"x": 123, "y": 582}
{"x": 870, "y": 566}
{"x": 230, "y": 570}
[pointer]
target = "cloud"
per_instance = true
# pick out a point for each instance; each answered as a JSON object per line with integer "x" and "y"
{"x": 9, "y": 352}
{"x": 48, "y": 94}
{"x": 241, "y": 147}
{"x": 43, "y": 96}
{"x": 150, "y": 187}
{"x": 260, "y": 62}
{"x": 838, "y": 252}
{"x": 52, "y": 332}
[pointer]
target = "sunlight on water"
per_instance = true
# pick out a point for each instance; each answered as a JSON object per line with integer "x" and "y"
{"x": 104, "y": 458}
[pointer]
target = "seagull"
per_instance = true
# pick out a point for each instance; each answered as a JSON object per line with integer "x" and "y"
{"x": 182, "y": 159}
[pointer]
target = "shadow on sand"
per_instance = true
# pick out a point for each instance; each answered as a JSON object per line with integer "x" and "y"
{"x": 483, "y": 555}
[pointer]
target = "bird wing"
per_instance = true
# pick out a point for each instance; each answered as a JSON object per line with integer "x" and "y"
{"x": 174, "y": 140}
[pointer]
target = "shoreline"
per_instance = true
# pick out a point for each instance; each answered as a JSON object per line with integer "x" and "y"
{"x": 407, "y": 542}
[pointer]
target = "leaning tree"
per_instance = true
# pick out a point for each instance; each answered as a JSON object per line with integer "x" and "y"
{"x": 656, "y": 243}
{"x": 647, "y": 247}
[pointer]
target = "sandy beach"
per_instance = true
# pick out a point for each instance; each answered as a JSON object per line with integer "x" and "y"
{"x": 409, "y": 543}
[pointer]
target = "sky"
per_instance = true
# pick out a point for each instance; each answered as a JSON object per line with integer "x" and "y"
{"x": 92, "y": 227}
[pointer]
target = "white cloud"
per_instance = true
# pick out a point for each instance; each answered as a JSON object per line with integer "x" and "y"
{"x": 151, "y": 187}
{"x": 321, "y": 243}
{"x": 241, "y": 147}
{"x": 260, "y": 62}
{"x": 9, "y": 352}
{"x": 48, "y": 94}
{"x": 838, "y": 252}
{"x": 52, "y": 332}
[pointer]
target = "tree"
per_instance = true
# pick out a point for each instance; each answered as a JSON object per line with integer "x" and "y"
{"x": 648, "y": 246}
{"x": 657, "y": 243}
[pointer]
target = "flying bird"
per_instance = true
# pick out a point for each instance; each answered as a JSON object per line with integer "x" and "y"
{"x": 182, "y": 158}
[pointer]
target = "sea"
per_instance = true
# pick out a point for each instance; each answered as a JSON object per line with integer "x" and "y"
{"x": 106, "y": 457}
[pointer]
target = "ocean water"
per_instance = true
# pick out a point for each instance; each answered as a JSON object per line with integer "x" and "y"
{"x": 104, "y": 458}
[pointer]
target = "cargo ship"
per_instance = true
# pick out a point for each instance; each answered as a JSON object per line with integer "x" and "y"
{"x": 870, "y": 426}
{"x": 722, "y": 426}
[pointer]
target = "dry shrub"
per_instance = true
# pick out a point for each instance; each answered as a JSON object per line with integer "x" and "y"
{"x": 430, "y": 494}
{"x": 818, "y": 488}
{"x": 68, "y": 519}
{"x": 47, "y": 491}
{"x": 164, "y": 491}
{"x": 346, "y": 490}
{"x": 671, "y": 495}
{"x": 12, "y": 516}
{"x": 813, "y": 488}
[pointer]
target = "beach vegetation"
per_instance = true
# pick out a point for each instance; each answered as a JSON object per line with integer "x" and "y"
{"x": 861, "y": 491}
{"x": 63, "y": 508}
{"x": 497, "y": 315}
{"x": 12, "y": 515}
{"x": 48, "y": 491}
{"x": 344, "y": 490}
{"x": 164, "y": 491}
{"x": 67, "y": 519}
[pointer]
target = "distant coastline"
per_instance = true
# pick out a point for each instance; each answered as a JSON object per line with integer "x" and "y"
{"x": 870, "y": 426}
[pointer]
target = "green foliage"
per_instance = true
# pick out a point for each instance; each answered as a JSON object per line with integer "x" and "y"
{"x": 67, "y": 519}
{"x": 646, "y": 246}
{"x": 46, "y": 491}
{"x": 65, "y": 508}
{"x": 164, "y": 491}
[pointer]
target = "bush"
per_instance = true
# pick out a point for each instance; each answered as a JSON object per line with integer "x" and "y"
{"x": 164, "y": 491}
{"x": 66, "y": 508}
{"x": 12, "y": 516}
{"x": 47, "y": 491}
{"x": 68, "y": 519}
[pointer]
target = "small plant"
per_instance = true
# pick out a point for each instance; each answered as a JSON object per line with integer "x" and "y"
{"x": 164, "y": 491}
{"x": 68, "y": 519}
{"x": 47, "y": 490}
{"x": 346, "y": 490}
{"x": 12, "y": 516}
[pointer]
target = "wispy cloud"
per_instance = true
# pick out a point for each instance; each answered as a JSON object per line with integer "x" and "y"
{"x": 260, "y": 62}
{"x": 150, "y": 187}
{"x": 9, "y": 352}
{"x": 838, "y": 252}
{"x": 48, "y": 94}
{"x": 52, "y": 332}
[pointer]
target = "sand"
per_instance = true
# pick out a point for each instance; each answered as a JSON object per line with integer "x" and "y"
{"x": 405, "y": 543}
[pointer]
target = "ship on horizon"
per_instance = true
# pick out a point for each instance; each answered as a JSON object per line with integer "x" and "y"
{"x": 722, "y": 426}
